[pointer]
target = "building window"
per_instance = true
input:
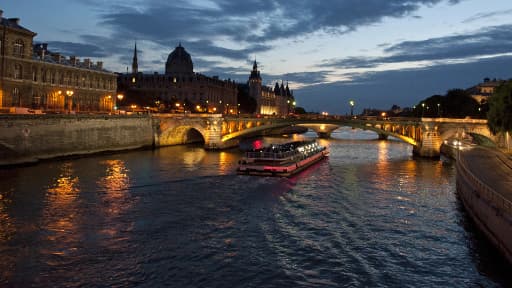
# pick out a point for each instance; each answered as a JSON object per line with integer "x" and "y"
{"x": 18, "y": 48}
{"x": 34, "y": 75}
{"x": 16, "y": 101}
{"x": 18, "y": 71}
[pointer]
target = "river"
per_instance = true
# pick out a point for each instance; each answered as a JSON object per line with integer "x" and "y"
{"x": 370, "y": 215}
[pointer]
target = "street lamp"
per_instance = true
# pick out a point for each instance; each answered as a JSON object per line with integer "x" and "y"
{"x": 422, "y": 109}
{"x": 438, "y": 109}
{"x": 70, "y": 100}
{"x": 352, "y": 103}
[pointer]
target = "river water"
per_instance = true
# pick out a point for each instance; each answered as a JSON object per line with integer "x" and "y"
{"x": 368, "y": 216}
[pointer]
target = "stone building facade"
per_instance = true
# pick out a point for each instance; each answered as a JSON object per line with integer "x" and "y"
{"x": 33, "y": 77}
{"x": 178, "y": 89}
{"x": 482, "y": 91}
{"x": 278, "y": 101}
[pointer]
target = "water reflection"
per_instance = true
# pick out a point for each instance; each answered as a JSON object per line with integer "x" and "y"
{"x": 60, "y": 217}
{"x": 116, "y": 198}
{"x": 65, "y": 188}
{"x": 226, "y": 161}
{"x": 192, "y": 158}
{"x": 6, "y": 225}
{"x": 114, "y": 187}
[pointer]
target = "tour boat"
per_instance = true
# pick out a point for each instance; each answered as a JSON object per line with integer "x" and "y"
{"x": 282, "y": 159}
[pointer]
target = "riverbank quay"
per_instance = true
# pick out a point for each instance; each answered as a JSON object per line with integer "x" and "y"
{"x": 29, "y": 138}
{"x": 484, "y": 184}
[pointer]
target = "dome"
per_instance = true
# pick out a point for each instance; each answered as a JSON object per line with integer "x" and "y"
{"x": 179, "y": 61}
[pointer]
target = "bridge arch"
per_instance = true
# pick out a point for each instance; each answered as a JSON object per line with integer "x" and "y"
{"x": 182, "y": 135}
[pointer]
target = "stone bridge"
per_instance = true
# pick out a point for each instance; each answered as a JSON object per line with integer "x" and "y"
{"x": 218, "y": 132}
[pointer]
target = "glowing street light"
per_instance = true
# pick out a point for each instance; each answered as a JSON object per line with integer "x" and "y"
{"x": 352, "y": 104}
{"x": 70, "y": 100}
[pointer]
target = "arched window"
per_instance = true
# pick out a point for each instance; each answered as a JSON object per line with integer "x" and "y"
{"x": 18, "y": 71}
{"x": 18, "y": 48}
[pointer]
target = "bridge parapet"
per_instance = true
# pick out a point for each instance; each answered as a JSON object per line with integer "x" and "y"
{"x": 219, "y": 132}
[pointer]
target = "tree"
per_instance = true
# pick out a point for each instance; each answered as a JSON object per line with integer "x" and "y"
{"x": 300, "y": 110}
{"x": 499, "y": 117}
{"x": 460, "y": 104}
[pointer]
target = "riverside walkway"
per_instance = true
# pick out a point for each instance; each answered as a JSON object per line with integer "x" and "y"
{"x": 484, "y": 182}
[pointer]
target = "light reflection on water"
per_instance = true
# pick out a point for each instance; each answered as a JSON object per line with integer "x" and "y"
{"x": 370, "y": 215}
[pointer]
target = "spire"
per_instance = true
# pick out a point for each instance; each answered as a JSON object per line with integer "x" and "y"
{"x": 135, "y": 64}
{"x": 255, "y": 65}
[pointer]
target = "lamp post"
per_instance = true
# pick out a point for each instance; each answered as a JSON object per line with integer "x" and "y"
{"x": 422, "y": 109}
{"x": 110, "y": 103}
{"x": 439, "y": 110}
{"x": 70, "y": 100}
{"x": 352, "y": 104}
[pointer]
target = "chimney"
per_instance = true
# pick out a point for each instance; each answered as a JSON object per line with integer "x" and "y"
{"x": 99, "y": 64}
{"x": 72, "y": 60}
{"x": 15, "y": 20}
{"x": 87, "y": 63}
{"x": 1, "y": 13}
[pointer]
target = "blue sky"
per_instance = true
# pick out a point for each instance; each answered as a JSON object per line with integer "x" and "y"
{"x": 375, "y": 52}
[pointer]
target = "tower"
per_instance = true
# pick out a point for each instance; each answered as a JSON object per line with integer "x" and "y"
{"x": 135, "y": 64}
{"x": 255, "y": 84}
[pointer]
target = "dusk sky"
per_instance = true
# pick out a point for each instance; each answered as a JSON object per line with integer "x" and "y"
{"x": 376, "y": 52}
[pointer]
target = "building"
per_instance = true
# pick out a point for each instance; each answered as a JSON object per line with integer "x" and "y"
{"x": 178, "y": 89}
{"x": 484, "y": 90}
{"x": 32, "y": 77}
{"x": 278, "y": 101}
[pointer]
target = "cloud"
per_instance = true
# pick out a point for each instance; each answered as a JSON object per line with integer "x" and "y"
{"x": 71, "y": 48}
{"x": 489, "y": 41}
{"x": 250, "y": 23}
{"x": 402, "y": 87}
{"x": 487, "y": 15}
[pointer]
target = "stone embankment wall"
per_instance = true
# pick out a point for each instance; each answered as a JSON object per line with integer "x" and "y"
{"x": 490, "y": 210}
{"x": 29, "y": 138}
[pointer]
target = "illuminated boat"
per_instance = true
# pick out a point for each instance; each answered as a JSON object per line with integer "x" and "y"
{"x": 282, "y": 159}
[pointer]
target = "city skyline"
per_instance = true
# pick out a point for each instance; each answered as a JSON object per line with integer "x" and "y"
{"x": 377, "y": 54}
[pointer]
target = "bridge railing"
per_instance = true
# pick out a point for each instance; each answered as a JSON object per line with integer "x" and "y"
{"x": 270, "y": 155}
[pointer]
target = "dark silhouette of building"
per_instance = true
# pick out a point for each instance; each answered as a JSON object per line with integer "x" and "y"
{"x": 179, "y": 89}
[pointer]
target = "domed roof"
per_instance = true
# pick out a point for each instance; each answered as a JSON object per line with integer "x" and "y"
{"x": 179, "y": 61}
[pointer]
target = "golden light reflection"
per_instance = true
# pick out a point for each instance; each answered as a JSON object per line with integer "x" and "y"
{"x": 115, "y": 183}
{"x": 191, "y": 159}
{"x": 116, "y": 177}
{"x": 383, "y": 151}
{"x": 116, "y": 197}
{"x": 60, "y": 215}
{"x": 65, "y": 189}
{"x": 226, "y": 161}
